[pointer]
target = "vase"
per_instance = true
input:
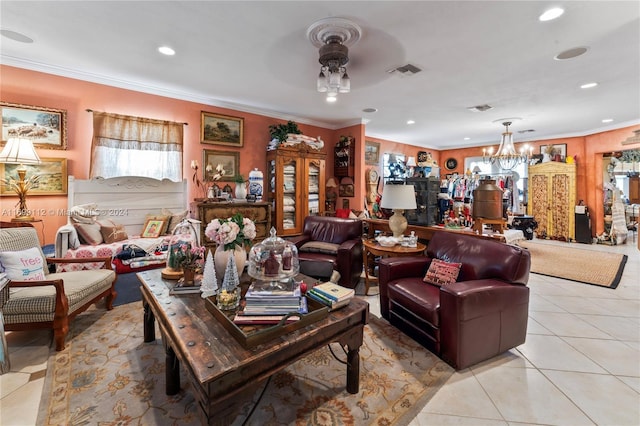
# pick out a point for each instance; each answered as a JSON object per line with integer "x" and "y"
{"x": 241, "y": 191}
{"x": 221, "y": 258}
{"x": 189, "y": 276}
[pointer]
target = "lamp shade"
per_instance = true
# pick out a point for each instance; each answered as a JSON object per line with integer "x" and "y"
{"x": 411, "y": 162}
{"x": 19, "y": 151}
{"x": 331, "y": 183}
{"x": 398, "y": 197}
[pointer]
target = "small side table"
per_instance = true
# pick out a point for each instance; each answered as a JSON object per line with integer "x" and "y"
{"x": 478, "y": 224}
{"x": 372, "y": 247}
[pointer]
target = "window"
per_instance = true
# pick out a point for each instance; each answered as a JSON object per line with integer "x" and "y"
{"x": 133, "y": 146}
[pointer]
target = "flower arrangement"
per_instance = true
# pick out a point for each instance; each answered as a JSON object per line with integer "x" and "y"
{"x": 185, "y": 256}
{"x": 210, "y": 176}
{"x": 231, "y": 232}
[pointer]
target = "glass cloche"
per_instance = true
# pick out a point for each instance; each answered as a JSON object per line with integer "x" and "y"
{"x": 273, "y": 259}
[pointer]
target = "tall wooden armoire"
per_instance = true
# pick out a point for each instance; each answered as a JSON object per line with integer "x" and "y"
{"x": 552, "y": 199}
{"x": 295, "y": 186}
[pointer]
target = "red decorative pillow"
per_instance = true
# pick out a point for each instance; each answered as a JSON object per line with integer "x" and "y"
{"x": 343, "y": 213}
{"x": 442, "y": 273}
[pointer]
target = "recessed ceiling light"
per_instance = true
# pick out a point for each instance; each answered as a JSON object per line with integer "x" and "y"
{"x": 331, "y": 99}
{"x": 466, "y": 139}
{"x": 589, "y": 85}
{"x": 370, "y": 110}
{"x": 607, "y": 120}
{"x": 411, "y": 122}
{"x": 551, "y": 14}
{"x": 16, "y": 36}
{"x": 166, "y": 50}
{"x": 571, "y": 53}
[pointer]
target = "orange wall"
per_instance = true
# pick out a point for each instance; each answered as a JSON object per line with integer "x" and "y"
{"x": 75, "y": 96}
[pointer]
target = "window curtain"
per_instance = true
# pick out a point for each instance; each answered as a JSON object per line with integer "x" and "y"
{"x": 124, "y": 145}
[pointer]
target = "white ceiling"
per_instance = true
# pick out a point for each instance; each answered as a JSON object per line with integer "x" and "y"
{"x": 254, "y": 56}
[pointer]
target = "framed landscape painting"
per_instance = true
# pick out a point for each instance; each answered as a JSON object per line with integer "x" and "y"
{"x": 229, "y": 160}
{"x": 46, "y": 127}
{"x": 53, "y": 176}
{"x": 371, "y": 153}
{"x": 219, "y": 129}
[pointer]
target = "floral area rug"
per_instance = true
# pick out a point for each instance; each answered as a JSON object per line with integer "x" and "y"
{"x": 107, "y": 376}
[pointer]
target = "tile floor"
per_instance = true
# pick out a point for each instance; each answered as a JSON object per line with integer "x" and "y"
{"x": 580, "y": 364}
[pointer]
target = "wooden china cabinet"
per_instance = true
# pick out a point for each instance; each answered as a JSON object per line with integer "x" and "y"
{"x": 295, "y": 186}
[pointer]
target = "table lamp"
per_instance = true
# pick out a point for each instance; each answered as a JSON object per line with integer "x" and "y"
{"x": 331, "y": 194}
{"x": 20, "y": 151}
{"x": 398, "y": 198}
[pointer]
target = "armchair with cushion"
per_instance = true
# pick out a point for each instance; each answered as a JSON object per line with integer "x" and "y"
{"x": 42, "y": 299}
{"x": 479, "y": 315}
{"x": 331, "y": 243}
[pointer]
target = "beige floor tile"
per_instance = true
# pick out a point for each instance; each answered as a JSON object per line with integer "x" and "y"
{"x": 551, "y": 352}
{"x": 616, "y": 357}
{"x": 29, "y": 359}
{"x": 539, "y": 303}
{"x": 623, "y": 308}
{"x": 633, "y": 382}
{"x": 620, "y": 328}
{"x": 429, "y": 419}
{"x": 525, "y": 395}
{"x": 581, "y": 305}
{"x": 470, "y": 399}
{"x": 20, "y": 408}
{"x": 565, "y": 324}
{"x": 11, "y": 381}
{"x": 511, "y": 358}
{"x": 534, "y": 327}
{"x": 605, "y": 399}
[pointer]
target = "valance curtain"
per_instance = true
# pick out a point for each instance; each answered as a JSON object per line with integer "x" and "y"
{"x": 124, "y": 145}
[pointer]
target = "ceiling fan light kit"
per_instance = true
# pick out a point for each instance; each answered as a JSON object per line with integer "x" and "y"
{"x": 333, "y": 36}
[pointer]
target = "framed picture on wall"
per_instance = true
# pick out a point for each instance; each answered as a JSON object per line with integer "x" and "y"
{"x": 46, "y": 127}
{"x": 52, "y": 172}
{"x": 219, "y": 129}
{"x": 555, "y": 149}
{"x": 229, "y": 160}
{"x": 371, "y": 153}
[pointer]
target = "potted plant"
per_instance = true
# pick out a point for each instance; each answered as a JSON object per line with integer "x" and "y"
{"x": 280, "y": 131}
{"x": 241, "y": 188}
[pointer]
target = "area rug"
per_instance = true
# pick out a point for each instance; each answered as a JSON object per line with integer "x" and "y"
{"x": 585, "y": 266}
{"x": 106, "y": 375}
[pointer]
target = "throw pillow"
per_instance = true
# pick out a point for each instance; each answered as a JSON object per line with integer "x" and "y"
{"x": 89, "y": 233}
{"x": 164, "y": 217}
{"x": 174, "y": 219}
{"x": 112, "y": 232}
{"x": 442, "y": 273}
{"x": 84, "y": 213}
{"x": 24, "y": 265}
{"x": 320, "y": 247}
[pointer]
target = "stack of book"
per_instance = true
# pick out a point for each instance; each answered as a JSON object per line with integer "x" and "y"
{"x": 331, "y": 294}
{"x": 268, "y": 302}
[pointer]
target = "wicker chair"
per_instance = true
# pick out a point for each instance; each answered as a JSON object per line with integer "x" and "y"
{"x": 54, "y": 302}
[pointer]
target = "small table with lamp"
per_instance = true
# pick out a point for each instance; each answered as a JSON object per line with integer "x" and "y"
{"x": 374, "y": 248}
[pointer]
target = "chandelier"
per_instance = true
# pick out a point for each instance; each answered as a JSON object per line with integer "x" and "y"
{"x": 333, "y": 36}
{"x": 506, "y": 157}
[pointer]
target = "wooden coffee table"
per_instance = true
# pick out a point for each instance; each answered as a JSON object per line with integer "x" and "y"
{"x": 373, "y": 248}
{"x": 224, "y": 374}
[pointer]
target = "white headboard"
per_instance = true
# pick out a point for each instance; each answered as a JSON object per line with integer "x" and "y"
{"x": 127, "y": 200}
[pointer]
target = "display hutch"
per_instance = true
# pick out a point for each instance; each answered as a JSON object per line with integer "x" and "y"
{"x": 295, "y": 185}
{"x": 343, "y": 158}
{"x": 552, "y": 199}
{"x": 259, "y": 212}
{"x": 427, "y": 190}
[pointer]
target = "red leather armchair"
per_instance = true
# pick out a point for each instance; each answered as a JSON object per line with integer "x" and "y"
{"x": 331, "y": 243}
{"x": 476, "y": 318}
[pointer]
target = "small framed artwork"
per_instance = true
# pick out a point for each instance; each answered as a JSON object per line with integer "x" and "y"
{"x": 371, "y": 153}
{"x": 229, "y": 160}
{"x": 554, "y": 150}
{"x": 46, "y": 127}
{"x": 152, "y": 228}
{"x": 219, "y": 129}
{"x": 345, "y": 190}
{"x": 52, "y": 172}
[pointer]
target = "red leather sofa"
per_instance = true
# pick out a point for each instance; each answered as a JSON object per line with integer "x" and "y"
{"x": 331, "y": 243}
{"x": 481, "y": 315}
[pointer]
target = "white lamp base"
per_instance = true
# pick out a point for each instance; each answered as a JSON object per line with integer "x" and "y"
{"x": 398, "y": 223}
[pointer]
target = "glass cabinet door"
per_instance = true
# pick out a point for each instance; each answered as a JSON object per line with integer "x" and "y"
{"x": 289, "y": 193}
{"x": 313, "y": 188}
